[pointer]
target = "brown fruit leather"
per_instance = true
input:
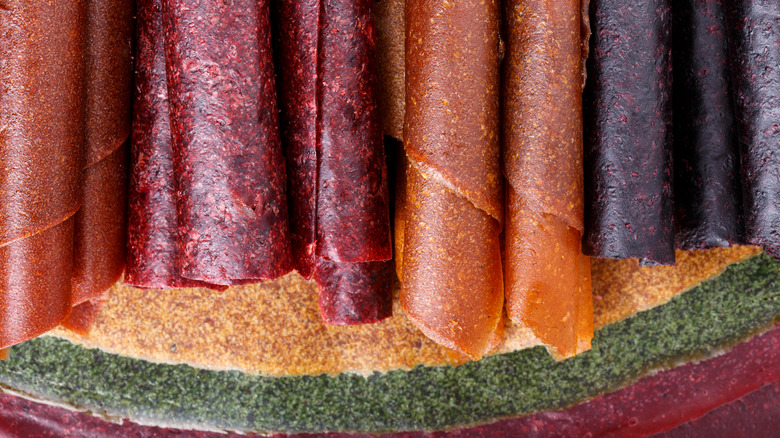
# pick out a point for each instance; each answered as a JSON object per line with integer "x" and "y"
{"x": 41, "y": 150}
{"x": 452, "y": 279}
{"x": 542, "y": 135}
{"x": 101, "y": 221}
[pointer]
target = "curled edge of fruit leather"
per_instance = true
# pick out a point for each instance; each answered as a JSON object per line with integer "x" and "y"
{"x": 35, "y": 283}
{"x": 230, "y": 170}
{"x": 152, "y": 233}
{"x": 354, "y": 293}
{"x": 452, "y": 278}
{"x": 707, "y": 190}
{"x": 296, "y": 48}
{"x": 43, "y": 78}
{"x": 542, "y": 125}
{"x": 353, "y": 218}
{"x": 83, "y": 316}
{"x": 753, "y": 28}
{"x": 628, "y": 137}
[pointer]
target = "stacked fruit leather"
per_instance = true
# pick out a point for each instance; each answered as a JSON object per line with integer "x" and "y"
{"x": 257, "y": 358}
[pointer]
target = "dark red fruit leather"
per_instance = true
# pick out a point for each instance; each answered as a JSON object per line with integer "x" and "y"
{"x": 152, "y": 249}
{"x": 753, "y": 28}
{"x": 296, "y": 39}
{"x": 228, "y": 162}
{"x": 628, "y": 132}
{"x": 707, "y": 190}
{"x": 41, "y": 149}
{"x": 353, "y": 224}
{"x": 335, "y": 153}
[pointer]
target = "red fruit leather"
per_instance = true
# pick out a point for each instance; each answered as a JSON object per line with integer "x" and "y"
{"x": 228, "y": 162}
{"x": 152, "y": 249}
{"x": 338, "y": 176}
{"x": 41, "y": 146}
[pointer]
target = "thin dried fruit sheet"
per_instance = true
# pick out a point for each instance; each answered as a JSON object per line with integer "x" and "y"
{"x": 707, "y": 189}
{"x": 753, "y": 28}
{"x": 628, "y": 132}
{"x": 228, "y": 162}
{"x": 452, "y": 280}
{"x": 542, "y": 157}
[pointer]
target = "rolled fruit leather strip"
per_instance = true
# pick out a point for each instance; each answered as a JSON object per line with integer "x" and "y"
{"x": 339, "y": 168}
{"x": 707, "y": 191}
{"x": 628, "y": 137}
{"x": 41, "y": 114}
{"x": 296, "y": 44}
{"x": 152, "y": 233}
{"x": 102, "y": 221}
{"x": 228, "y": 162}
{"x": 753, "y": 29}
{"x": 452, "y": 279}
{"x": 547, "y": 279}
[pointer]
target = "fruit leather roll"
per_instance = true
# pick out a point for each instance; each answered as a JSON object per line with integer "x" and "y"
{"x": 628, "y": 136}
{"x": 754, "y": 48}
{"x": 228, "y": 162}
{"x": 41, "y": 151}
{"x": 101, "y": 222}
{"x": 337, "y": 171}
{"x": 707, "y": 191}
{"x": 297, "y": 39}
{"x": 452, "y": 278}
{"x": 152, "y": 234}
{"x": 547, "y": 279}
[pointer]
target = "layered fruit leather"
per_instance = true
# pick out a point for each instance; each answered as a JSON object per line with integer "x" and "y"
{"x": 753, "y": 29}
{"x": 152, "y": 235}
{"x": 628, "y": 132}
{"x": 334, "y": 145}
{"x": 228, "y": 162}
{"x": 101, "y": 222}
{"x": 707, "y": 186}
{"x": 547, "y": 278}
{"x": 452, "y": 278}
{"x": 41, "y": 157}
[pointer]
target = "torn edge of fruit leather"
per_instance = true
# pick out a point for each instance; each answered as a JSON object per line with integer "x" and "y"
{"x": 249, "y": 328}
{"x": 40, "y": 181}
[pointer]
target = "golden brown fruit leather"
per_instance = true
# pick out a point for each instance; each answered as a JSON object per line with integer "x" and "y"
{"x": 41, "y": 152}
{"x": 452, "y": 280}
{"x": 101, "y": 223}
{"x": 542, "y": 135}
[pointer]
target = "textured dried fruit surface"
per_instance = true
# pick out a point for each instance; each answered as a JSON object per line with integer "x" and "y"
{"x": 353, "y": 222}
{"x": 548, "y": 286}
{"x": 231, "y": 202}
{"x": 296, "y": 46}
{"x": 753, "y": 28}
{"x": 152, "y": 250}
{"x": 452, "y": 278}
{"x": 354, "y": 293}
{"x": 100, "y": 227}
{"x": 707, "y": 190}
{"x": 452, "y": 285}
{"x": 35, "y": 283}
{"x": 41, "y": 115}
{"x": 628, "y": 137}
{"x": 547, "y": 277}
{"x": 109, "y": 76}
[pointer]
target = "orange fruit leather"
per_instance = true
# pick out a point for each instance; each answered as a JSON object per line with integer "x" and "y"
{"x": 101, "y": 222}
{"x": 451, "y": 213}
{"x": 41, "y": 145}
{"x": 547, "y": 277}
